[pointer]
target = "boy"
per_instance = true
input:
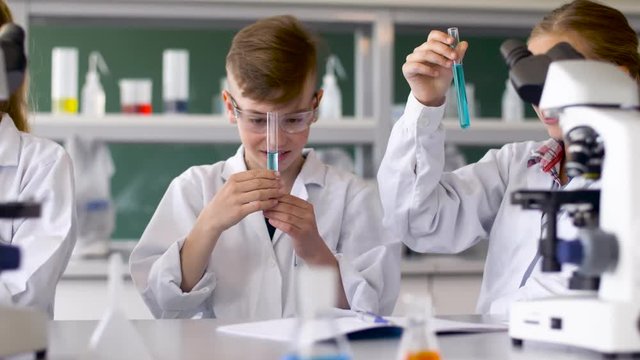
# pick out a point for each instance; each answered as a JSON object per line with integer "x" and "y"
{"x": 226, "y": 237}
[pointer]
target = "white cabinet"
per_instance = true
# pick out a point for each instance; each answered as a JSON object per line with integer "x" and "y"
{"x": 82, "y": 293}
{"x": 453, "y": 282}
{"x": 85, "y": 298}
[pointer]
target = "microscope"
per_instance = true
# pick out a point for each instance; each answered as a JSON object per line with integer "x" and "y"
{"x": 597, "y": 106}
{"x": 22, "y": 330}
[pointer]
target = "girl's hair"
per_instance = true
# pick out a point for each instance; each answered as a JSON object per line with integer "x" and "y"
{"x": 272, "y": 58}
{"x": 604, "y": 31}
{"x": 16, "y": 106}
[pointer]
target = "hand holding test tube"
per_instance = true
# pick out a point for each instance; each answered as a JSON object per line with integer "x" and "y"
{"x": 272, "y": 141}
{"x": 458, "y": 80}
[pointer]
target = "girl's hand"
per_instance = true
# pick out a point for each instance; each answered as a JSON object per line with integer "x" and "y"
{"x": 428, "y": 68}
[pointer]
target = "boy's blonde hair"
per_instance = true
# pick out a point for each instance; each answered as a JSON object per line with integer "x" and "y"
{"x": 272, "y": 59}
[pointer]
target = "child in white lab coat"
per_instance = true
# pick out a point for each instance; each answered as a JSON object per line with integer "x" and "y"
{"x": 226, "y": 238}
{"x": 434, "y": 211}
{"x": 39, "y": 170}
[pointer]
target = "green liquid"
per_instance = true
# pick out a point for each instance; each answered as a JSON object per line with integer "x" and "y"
{"x": 272, "y": 161}
{"x": 463, "y": 107}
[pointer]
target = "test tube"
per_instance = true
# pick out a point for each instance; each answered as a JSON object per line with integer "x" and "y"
{"x": 272, "y": 141}
{"x": 458, "y": 80}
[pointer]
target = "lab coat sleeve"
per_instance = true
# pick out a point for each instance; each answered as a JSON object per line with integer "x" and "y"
{"x": 369, "y": 260}
{"x": 155, "y": 261}
{"x": 45, "y": 242}
{"x": 427, "y": 209}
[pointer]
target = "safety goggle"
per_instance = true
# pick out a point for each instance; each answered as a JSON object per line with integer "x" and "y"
{"x": 290, "y": 123}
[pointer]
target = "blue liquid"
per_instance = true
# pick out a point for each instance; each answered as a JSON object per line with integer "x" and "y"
{"x": 272, "y": 161}
{"x": 463, "y": 107}
{"x": 175, "y": 106}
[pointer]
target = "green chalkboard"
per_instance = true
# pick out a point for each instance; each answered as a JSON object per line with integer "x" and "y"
{"x": 143, "y": 171}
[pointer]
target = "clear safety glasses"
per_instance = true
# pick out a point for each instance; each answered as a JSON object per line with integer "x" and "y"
{"x": 290, "y": 123}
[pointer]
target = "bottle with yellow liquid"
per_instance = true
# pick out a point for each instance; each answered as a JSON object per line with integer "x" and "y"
{"x": 418, "y": 340}
{"x": 64, "y": 80}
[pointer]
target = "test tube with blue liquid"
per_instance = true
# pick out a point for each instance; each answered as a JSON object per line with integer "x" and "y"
{"x": 460, "y": 85}
{"x": 272, "y": 141}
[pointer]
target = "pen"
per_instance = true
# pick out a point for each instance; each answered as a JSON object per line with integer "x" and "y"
{"x": 368, "y": 316}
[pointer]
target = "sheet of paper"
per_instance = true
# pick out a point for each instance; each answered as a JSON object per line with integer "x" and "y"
{"x": 283, "y": 329}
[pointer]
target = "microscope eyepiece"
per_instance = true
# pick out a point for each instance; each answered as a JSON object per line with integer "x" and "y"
{"x": 513, "y": 50}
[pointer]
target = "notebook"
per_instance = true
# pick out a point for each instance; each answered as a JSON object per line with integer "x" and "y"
{"x": 353, "y": 327}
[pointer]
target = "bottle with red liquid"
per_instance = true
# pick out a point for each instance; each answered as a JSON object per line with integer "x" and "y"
{"x": 418, "y": 341}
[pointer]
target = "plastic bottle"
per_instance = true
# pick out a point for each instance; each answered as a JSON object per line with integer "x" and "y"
{"x": 175, "y": 80}
{"x": 316, "y": 295}
{"x": 331, "y": 104}
{"x": 64, "y": 80}
{"x": 94, "y": 205}
{"x": 512, "y": 105}
{"x": 93, "y": 98}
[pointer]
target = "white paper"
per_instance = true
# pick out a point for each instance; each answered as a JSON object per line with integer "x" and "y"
{"x": 283, "y": 329}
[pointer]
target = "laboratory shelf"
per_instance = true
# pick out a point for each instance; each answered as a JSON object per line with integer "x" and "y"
{"x": 494, "y": 131}
{"x": 123, "y": 128}
{"x": 185, "y": 129}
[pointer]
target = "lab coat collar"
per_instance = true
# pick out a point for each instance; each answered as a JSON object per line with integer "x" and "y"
{"x": 10, "y": 140}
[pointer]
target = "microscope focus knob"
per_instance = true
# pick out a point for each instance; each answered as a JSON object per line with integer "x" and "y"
{"x": 585, "y": 152}
{"x": 599, "y": 251}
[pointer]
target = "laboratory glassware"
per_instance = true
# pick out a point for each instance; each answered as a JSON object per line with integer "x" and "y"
{"x": 316, "y": 295}
{"x": 458, "y": 80}
{"x": 418, "y": 340}
{"x": 272, "y": 141}
{"x": 135, "y": 96}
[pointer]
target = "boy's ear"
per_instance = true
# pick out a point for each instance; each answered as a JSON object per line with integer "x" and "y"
{"x": 319, "y": 94}
{"x": 228, "y": 106}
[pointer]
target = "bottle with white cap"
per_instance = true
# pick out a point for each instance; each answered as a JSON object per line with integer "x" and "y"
{"x": 512, "y": 105}
{"x": 64, "y": 80}
{"x": 331, "y": 103}
{"x": 175, "y": 80}
{"x": 316, "y": 295}
{"x": 93, "y": 98}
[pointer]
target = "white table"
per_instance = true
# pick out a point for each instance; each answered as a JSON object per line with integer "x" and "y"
{"x": 198, "y": 339}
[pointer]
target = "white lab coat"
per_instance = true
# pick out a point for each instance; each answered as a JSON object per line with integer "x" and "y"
{"x": 433, "y": 211}
{"x": 36, "y": 169}
{"x": 251, "y": 277}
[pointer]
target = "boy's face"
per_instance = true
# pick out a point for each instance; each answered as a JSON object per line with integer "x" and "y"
{"x": 290, "y": 144}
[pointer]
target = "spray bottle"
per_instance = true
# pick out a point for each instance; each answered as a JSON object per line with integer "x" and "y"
{"x": 331, "y": 104}
{"x": 93, "y": 98}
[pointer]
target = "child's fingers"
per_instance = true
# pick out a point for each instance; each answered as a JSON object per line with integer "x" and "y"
{"x": 412, "y": 69}
{"x": 253, "y": 174}
{"x": 428, "y": 57}
{"x": 258, "y": 195}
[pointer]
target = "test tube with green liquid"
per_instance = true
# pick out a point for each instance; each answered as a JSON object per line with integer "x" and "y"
{"x": 458, "y": 80}
{"x": 272, "y": 141}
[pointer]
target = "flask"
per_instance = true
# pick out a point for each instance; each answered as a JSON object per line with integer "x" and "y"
{"x": 316, "y": 295}
{"x": 512, "y": 105}
{"x": 418, "y": 340}
{"x": 93, "y": 98}
{"x": 331, "y": 104}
